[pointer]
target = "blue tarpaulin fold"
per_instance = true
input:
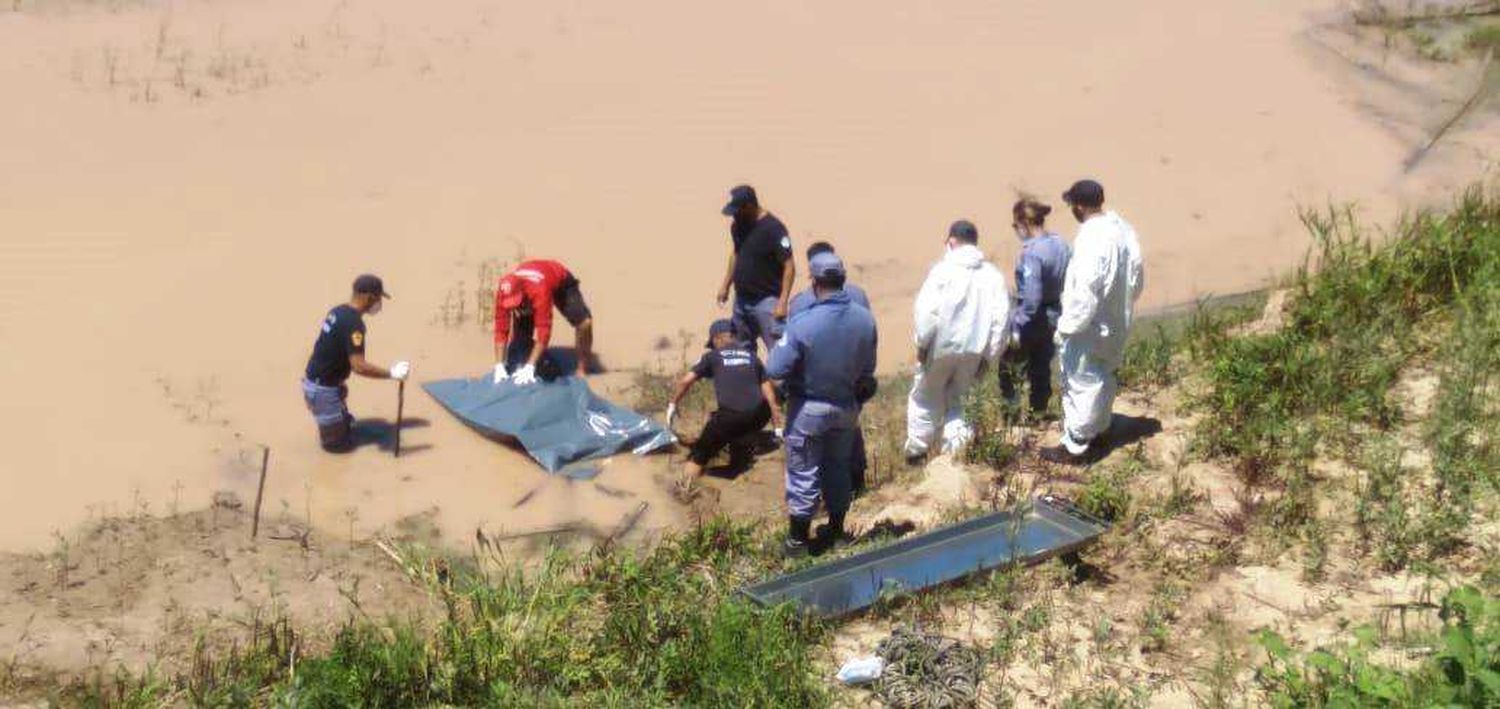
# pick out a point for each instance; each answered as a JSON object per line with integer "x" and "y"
{"x": 558, "y": 422}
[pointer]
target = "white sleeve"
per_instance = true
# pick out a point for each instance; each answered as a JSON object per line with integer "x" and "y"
{"x": 1137, "y": 268}
{"x": 928, "y": 308}
{"x": 1000, "y": 323}
{"x": 1082, "y": 284}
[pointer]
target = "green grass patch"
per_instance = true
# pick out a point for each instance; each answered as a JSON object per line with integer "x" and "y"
{"x": 1359, "y": 314}
{"x": 1485, "y": 38}
{"x": 654, "y": 629}
{"x": 1463, "y": 672}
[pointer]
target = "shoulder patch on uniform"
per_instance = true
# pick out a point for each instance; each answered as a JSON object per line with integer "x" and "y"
{"x": 358, "y": 338}
{"x": 786, "y": 242}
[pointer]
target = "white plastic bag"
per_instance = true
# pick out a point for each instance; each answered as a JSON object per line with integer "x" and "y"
{"x": 861, "y": 670}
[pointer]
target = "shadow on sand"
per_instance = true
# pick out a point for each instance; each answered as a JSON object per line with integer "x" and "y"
{"x": 381, "y": 433}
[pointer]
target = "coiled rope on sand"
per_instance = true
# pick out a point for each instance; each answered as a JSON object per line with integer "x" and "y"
{"x": 928, "y": 671}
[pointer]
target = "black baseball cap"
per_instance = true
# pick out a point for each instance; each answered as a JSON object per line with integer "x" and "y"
{"x": 740, "y": 196}
{"x": 1085, "y": 193}
{"x": 964, "y": 230}
{"x": 717, "y": 328}
{"x": 370, "y": 284}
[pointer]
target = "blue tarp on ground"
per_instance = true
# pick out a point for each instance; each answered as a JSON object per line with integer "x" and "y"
{"x": 558, "y": 422}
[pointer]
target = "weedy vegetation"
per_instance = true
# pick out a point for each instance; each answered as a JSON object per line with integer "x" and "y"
{"x": 598, "y": 628}
{"x": 1463, "y": 671}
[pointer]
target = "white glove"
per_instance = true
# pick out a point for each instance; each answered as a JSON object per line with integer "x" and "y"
{"x": 525, "y": 376}
{"x": 671, "y": 414}
{"x": 401, "y": 370}
{"x": 1058, "y": 338}
{"x": 501, "y": 373}
{"x": 780, "y": 434}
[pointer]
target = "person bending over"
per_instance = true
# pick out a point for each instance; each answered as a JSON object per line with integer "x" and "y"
{"x": 527, "y": 296}
{"x": 745, "y": 399}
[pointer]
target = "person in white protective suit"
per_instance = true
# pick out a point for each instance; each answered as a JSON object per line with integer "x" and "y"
{"x": 1104, "y": 279}
{"x": 961, "y": 322}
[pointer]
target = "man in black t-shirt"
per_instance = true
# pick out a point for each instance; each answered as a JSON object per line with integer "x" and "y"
{"x": 339, "y": 351}
{"x": 761, "y": 269}
{"x": 744, "y": 396}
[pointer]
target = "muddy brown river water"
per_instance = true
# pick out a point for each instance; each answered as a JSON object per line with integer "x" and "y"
{"x": 185, "y": 188}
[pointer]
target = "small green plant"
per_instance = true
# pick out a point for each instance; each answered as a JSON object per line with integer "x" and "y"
{"x": 1381, "y": 514}
{"x": 1485, "y": 38}
{"x": 1181, "y": 498}
{"x": 1315, "y": 550}
{"x": 1148, "y": 359}
{"x": 1160, "y": 613}
{"x": 1464, "y": 672}
{"x": 1107, "y": 698}
{"x": 1220, "y": 678}
{"x": 985, "y": 411}
{"x": 1106, "y": 493}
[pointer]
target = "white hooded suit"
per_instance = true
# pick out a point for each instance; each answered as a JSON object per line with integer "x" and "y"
{"x": 961, "y": 315}
{"x": 1104, "y": 279}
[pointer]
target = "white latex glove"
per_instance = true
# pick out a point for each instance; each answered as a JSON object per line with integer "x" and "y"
{"x": 401, "y": 370}
{"x": 671, "y": 415}
{"x": 780, "y": 433}
{"x": 525, "y": 376}
{"x": 1057, "y": 338}
{"x": 501, "y": 373}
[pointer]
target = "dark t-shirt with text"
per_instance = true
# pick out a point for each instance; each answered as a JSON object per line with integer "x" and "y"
{"x": 737, "y": 376}
{"x": 342, "y": 335}
{"x": 760, "y": 248}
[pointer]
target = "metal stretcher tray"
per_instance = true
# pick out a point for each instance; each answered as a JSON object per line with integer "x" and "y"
{"x": 1049, "y": 526}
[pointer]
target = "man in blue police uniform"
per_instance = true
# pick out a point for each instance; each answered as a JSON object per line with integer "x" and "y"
{"x": 804, "y": 300}
{"x": 827, "y": 361}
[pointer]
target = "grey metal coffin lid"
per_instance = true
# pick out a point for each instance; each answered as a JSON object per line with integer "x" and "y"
{"x": 1049, "y": 527}
{"x": 558, "y": 422}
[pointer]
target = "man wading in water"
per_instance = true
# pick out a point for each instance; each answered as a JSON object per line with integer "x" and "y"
{"x": 338, "y": 351}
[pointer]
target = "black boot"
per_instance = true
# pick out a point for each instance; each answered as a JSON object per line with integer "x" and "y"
{"x": 832, "y": 536}
{"x": 741, "y": 456}
{"x": 796, "y": 544}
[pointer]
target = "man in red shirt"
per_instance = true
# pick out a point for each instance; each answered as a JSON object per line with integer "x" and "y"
{"x": 528, "y": 294}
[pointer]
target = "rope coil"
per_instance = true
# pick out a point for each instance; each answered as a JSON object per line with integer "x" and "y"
{"x": 928, "y": 671}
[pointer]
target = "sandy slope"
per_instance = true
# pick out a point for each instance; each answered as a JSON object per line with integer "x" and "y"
{"x": 185, "y": 188}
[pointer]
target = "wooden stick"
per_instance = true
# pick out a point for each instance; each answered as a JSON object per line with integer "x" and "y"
{"x": 559, "y": 529}
{"x": 400, "y": 404}
{"x": 627, "y": 524}
{"x": 260, "y": 490}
